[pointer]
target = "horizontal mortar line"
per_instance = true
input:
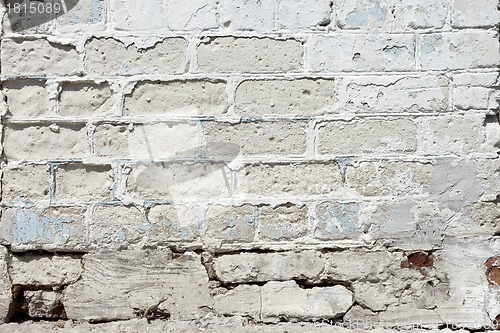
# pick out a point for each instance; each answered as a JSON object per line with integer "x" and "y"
{"x": 277, "y": 34}
{"x": 262, "y": 160}
{"x": 236, "y": 119}
{"x": 246, "y": 75}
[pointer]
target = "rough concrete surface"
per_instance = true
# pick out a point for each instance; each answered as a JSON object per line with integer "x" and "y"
{"x": 249, "y": 166}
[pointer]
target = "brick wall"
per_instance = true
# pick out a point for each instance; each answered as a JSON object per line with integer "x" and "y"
{"x": 235, "y": 162}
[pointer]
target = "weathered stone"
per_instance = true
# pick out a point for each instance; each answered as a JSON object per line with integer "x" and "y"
{"x": 110, "y": 289}
{"x": 28, "y": 182}
{"x": 337, "y": 220}
{"x": 26, "y": 98}
{"x": 231, "y": 223}
{"x": 288, "y": 300}
{"x": 5, "y": 286}
{"x": 354, "y": 265}
{"x": 84, "y": 182}
{"x": 174, "y": 222}
{"x": 285, "y": 222}
{"x": 244, "y": 300}
{"x": 44, "y": 270}
{"x": 262, "y": 267}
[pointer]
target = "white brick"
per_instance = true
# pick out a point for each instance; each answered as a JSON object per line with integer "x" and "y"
{"x": 248, "y": 14}
{"x": 362, "y": 52}
{"x": 484, "y": 13}
{"x": 254, "y": 55}
{"x": 335, "y": 220}
{"x": 388, "y": 16}
{"x": 192, "y": 15}
{"x": 176, "y": 181}
{"x": 289, "y": 179}
{"x": 171, "y": 223}
{"x": 26, "y": 99}
{"x": 282, "y": 223}
{"x": 25, "y": 182}
{"x": 72, "y": 182}
{"x": 231, "y": 223}
{"x": 244, "y": 300}
{"x": 85, "y": 99}
{"x": 386, "y": 94}
{"x": 44, "y": 142}
{"x": 145, "y": 141}
{"x": 129, "y": 15}
{"x": 285, "y": 97}
{"x": 108, "y": 56}
{"x": 261, "y": 138}
{"x": 183, "y": 98}
{"x": 459, "y": 50}
{"x": 304, "y": 14}
{"x": 38, "y": 58}
{"x": 367, "y": 137}
{"x": 388, "y": 178}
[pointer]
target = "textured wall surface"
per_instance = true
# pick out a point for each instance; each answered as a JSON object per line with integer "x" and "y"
{"x": 251, "y": 166}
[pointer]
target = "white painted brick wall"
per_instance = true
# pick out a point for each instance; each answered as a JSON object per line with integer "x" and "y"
{"x": 299, "y": 164}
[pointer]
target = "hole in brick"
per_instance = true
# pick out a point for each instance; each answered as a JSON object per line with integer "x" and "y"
{"x": 493, "y": 270}
{"x": 227, "y": 24}
{"x": 36, "y": 303}
{"x": 420, "y": 261}
{"x": 356, "y": 56}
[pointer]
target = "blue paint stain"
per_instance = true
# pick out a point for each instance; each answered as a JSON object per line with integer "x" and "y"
{"x": 361, "y": 18}
{"x": 30, "y": 227}
{"x": 144, "y": 228}
{"x": 339, "y": 219}
{"x": 95, "y": 14}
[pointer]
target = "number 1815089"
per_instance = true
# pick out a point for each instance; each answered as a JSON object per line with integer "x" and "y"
{"x": 34, "y": 7}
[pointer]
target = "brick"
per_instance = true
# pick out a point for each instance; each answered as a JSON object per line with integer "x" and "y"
{"x": 261, "y": 138}
{"x": 254, "y": 55}
{"x": 145, "y": 141}
{"x": 84, "y": 182}
{"x": 362, "y": 52}
{"x": 467, "y": 135}
{"x": 193, "y": 15}
{"x": 304, "y": 14}
{"x": 85, "y": 13}
{"x": 44, "y": 142}
{"x": 248, "y": 15}
{"x": 287, "y": 299}
{"x": 367, "y": 137}
{"x": 262, "y": 267}
{"x": 475, "y": 91}
{"x": 285, "y": 222}
{"x": 289, "y": 179}
{"x": 128, "y": 15}
{"x": 25, "y": 182}
{"x": 231, "y": 223}
{"x": 85, "y": 99}
{"x": 484, "y": 13}
{"x": 386, "y": 16}
{"x": 108, "y": 56}
{"x": 243, "y": 300}
{"x": 174, "y": 223}
{"x": 359, "y": 265}
{"x": 115, "y": 227}
{"x": 285, "y": 97}
{"x": 386, "y": 94}
{"x": 39, "y": 228}
{"x": 26, "y": 98}
{"x": 174, "y": 181}
{"x": 38, "y": 58}
{"x": 184, "y": 98}
{"x": 388, "y": 178}
{"x": 335, "y": 220}
{"x": 459, "y": 50}
{"x": 5, "y": 286}
{"x": 110, "y": 290}
{"x": 44, "y": 270}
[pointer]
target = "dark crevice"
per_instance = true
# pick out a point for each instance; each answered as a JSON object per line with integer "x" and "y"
{"x": 25, "y": 308}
